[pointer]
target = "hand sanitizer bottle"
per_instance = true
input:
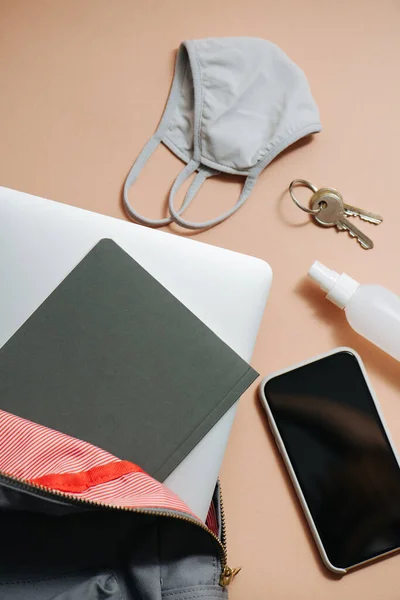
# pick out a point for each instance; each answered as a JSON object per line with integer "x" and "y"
{"x": 372, "y": 310}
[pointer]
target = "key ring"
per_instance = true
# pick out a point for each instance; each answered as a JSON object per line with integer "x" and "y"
{"x": 310, "y": 186}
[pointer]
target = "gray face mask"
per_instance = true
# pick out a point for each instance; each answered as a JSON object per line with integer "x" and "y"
{"x": 235, "y": 104}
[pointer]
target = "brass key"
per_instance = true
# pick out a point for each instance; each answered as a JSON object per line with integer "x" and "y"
{"x": 332, "y": 213}
{"x": 328, "y": 209}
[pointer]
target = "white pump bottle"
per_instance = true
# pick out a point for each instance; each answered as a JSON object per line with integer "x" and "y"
{"x": 372, "y": 310}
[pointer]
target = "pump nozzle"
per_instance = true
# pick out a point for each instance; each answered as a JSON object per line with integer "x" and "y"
{"x": 340, "y": 288}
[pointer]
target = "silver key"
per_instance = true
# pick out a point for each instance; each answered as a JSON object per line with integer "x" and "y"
{"x": 365, "y": 215}
{"x": 354, "y": 211}
{"x": 332, "y": 213}
{"x": 348, "y": 226}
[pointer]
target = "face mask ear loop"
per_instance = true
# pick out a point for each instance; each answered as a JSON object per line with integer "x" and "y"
{"x": 130, "y": 180}
{"x": 175, "y": 214}
{"x": 180, "y": 68}
{"x": 203, "y": 174}
{"x": 190, "y": 168}
{"x": 198, "y": 108}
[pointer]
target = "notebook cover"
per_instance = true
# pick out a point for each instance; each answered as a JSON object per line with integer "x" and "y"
{"x": 113, "y": 358}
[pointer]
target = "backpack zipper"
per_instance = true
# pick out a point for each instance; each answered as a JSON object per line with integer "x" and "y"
{"x": 227, "y": 573}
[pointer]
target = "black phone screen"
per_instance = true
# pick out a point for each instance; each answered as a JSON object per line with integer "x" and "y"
{"x": 341, "y": 455}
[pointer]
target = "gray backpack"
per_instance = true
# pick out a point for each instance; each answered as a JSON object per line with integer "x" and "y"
{"x": 78, "y": 524}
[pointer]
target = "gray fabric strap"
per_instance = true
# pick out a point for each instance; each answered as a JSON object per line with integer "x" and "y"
{"x": 181, "y": 65}
{"x": 203, "y": 174}
{"x": 130, "y": 180}
{"x": 176, "y": 214}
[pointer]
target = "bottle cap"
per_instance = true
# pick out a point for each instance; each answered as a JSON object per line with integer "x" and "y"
{"x": 340, "y": 288}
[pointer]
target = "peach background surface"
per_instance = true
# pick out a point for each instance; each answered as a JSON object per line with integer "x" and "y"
{"x": 83, "y": 85}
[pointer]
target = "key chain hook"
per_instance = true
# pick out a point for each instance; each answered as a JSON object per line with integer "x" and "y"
{"x": 310, "y": 186}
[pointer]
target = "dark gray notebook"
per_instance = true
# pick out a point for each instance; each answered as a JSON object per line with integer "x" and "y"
{"x": 113, "y": 358}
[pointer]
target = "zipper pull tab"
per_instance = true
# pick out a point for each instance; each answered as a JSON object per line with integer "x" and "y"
{"x": 228, "y": 575}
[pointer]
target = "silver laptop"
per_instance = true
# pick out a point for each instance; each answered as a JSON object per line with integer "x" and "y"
{"x": 41, "y": 242}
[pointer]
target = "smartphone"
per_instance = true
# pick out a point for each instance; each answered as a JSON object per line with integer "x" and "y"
{"x": 337, "y": 449}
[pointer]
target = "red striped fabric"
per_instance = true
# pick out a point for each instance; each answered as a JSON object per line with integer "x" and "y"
{"x": 212, "y": 519}
{"x": 28, "y": 450}
{"x": 40, "y": 455}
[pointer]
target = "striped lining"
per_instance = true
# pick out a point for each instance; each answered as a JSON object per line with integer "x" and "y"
{"x": 212, "y": 519}
{"x": 40, "y": 455}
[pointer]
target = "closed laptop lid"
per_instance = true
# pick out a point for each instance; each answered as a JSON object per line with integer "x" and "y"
{"x": 42, "y": 241}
